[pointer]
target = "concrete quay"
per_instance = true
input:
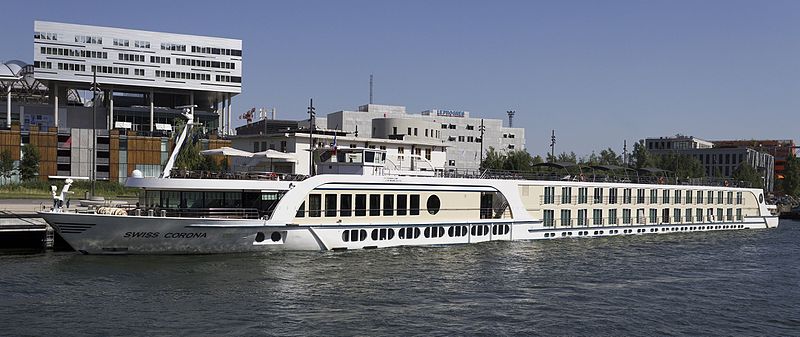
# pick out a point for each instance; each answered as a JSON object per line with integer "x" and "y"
{"x": 22, "y": 230}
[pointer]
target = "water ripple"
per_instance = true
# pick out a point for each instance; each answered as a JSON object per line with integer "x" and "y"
{"x": 725, "y": 283}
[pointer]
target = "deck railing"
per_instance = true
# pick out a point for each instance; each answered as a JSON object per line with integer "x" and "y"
{"x": 603, "y": 178}
{"x": 488, "y": 174}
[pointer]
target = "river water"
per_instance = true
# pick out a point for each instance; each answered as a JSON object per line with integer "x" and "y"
{"x": 723, "y": 283}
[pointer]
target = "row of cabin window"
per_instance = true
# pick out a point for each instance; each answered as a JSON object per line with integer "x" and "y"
{"x": 353, "y": 235}
{"x": 677, "y": 215}
{"x": 613, "y": 197}
{"x": 341, "y": 205}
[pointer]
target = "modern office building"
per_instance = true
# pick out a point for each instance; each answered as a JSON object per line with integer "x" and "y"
{"x": 460, "y": 132}
{"x": 142, "y": 76}
{"x": 717, "y": 161}
{"x": 143, "y": 80}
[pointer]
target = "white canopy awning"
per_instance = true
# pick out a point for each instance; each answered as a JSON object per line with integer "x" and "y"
{"x": 227, "y": 151}
{"x": 275, "y": 155}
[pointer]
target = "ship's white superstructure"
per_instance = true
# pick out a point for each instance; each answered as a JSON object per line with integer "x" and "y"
{"x": 366, "y": 208}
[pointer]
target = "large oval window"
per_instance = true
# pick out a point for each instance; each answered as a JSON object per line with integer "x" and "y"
{"x": 433, "y": 204}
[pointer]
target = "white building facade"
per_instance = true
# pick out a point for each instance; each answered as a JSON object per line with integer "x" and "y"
{"x": 147, "y": 73}
{"x": 428, "y": 154}
{"x": 457, "y": 129}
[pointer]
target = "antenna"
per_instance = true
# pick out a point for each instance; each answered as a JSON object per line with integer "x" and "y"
{"x": 482, "y": 129}
{"x": 625, "y": 152}
{"x": 553, "y": 145}
{"x": 511, "y": 117}
{"x": 370, "y": 88}
{"x": 311, "y": 126}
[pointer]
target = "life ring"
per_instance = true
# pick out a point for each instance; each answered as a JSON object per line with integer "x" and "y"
{"x": 727, "y": 183}
{"x": 582, "y": 177}
{"x": 661, "y": 180}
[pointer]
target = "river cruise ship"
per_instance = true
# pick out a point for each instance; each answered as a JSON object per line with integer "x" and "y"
{"x": 357, "y": 201}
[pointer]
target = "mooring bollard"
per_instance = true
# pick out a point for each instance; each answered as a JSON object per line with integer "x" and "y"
{"x": 163, "y": 213}
{"x": 150, "y": 212}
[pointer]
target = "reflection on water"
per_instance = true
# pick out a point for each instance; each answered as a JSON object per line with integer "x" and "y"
{"x": 695, "y": 283}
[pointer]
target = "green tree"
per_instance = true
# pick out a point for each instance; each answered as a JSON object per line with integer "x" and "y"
{"x": 493, "y": 160}
{"x": 640, "y": 156}
{"x": 29, "y": 164}
{"x": 748, "y": 174}
{"x": 189, "y": 157}
{"x": 6, "y": 165}
{"x": 567, "y": 158}
{"x": 592, "y": 159}
{"x": 609, "y": 157}
{"x": 791, "y": 176}
{"x": 684, "y": 166}
{"x": 518, "y": 160}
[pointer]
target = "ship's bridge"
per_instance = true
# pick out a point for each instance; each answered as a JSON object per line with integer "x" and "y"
{"x": 359, "y": 161}
{"x": 368, "y": 161}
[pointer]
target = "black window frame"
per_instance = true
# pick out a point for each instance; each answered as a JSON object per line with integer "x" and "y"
{"x": 388, "y": 204}
{"x": 345, "y": 205}
{"x": 361, "y": 205}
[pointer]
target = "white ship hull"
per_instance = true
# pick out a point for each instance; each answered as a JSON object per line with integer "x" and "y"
{"x": 108, "y": 234}
{"x": 365, "y": 208}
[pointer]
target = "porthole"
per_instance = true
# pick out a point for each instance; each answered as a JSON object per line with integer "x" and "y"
{"x": 433, "y": 204}
{"x": 260, "y": 237}
{"x": 276, "y": 236}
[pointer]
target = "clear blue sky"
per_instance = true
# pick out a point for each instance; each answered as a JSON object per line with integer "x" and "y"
{"x": 597, "y": 72}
